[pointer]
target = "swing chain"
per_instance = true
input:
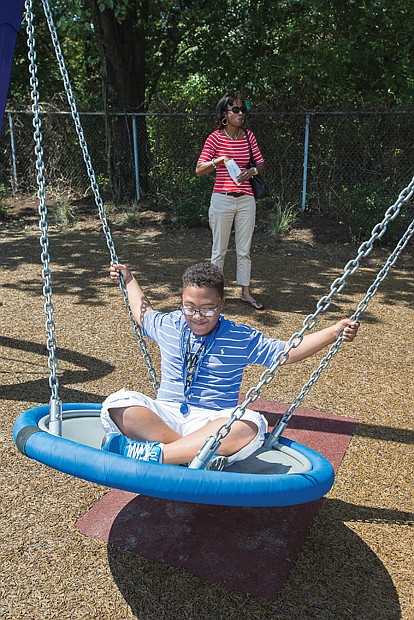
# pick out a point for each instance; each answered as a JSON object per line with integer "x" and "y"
{"x": 212, "y": 443}
{"x": 43, "y": 222}
{"x": 334, "y": 348}
{"x": 363, "y": 304}
{"x": 96, "y": 192}
{"x": 137, "y": 331}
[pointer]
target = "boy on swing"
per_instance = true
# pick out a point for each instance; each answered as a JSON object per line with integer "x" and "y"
{"x": 203, "y": 356}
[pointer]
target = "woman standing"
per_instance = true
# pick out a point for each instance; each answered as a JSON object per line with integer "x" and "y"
{"x": 231, "y": 202}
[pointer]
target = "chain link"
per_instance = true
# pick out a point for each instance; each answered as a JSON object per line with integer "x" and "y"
{"x": 213, "y": 442}
{"x": 359, "y": 160}
{"x": 362, "y": 306}
{"x": 96, "y": 192}
{"x": 41, "y": 194}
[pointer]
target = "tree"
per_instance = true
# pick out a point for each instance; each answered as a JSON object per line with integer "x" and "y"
{"x": 139, "y": 42}
{"x": 81, "y": 58}
{"x": 289, "y": 55}
{"x": 154, "y": 55}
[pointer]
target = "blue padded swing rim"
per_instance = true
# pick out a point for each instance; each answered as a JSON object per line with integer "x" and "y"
{"x": 169, "y": 481}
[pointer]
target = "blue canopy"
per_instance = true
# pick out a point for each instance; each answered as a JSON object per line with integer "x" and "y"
{"x": 10, "y": 20}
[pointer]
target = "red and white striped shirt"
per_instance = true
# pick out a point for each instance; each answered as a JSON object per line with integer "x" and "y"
{"x": 218, "y": 144}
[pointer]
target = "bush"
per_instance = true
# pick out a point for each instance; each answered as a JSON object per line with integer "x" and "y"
{"x": 64, "y": 214}
{"x": 281, "y": 220}
{"x": 366, "y": 207}
{"x": 129, "y": 219}
{"x": 4, "y": 193}
{"x": 190, "y": 201}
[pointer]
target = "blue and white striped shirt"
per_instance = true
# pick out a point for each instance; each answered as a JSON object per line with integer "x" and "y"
{"x": 219, "y": 379}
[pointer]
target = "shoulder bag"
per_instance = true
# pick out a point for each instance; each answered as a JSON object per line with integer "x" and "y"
{"x": 259, "y": 187}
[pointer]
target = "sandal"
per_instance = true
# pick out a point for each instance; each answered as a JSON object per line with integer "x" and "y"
{"x": 253, "y": 303}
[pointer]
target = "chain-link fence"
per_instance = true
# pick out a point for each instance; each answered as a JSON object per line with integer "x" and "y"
{"x": 321, "y": 161}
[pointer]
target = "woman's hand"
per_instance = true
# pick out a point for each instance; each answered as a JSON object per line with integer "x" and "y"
{"x": 246, "y": 174}
{"x": 223, "y": 159}
{"x": 206, "y": 167}
{"x": 116, "y": 269}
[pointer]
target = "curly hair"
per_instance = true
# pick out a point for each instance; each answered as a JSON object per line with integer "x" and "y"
{"x": 204, "y": 275}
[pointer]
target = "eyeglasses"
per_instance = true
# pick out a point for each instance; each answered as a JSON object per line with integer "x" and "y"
{"x": 236, "y": 109}
{"x": 208, "y": 312}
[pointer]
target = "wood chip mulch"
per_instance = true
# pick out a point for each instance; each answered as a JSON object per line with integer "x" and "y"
{"x": 357, "y": 560}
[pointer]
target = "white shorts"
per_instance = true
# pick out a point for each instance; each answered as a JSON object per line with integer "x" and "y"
{"x": 170, "y": 413}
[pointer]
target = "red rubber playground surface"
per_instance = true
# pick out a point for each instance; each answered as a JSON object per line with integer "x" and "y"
{"x": 248, "y": 549}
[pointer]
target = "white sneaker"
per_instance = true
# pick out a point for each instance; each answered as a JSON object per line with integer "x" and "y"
{"x": 217, "y": 463}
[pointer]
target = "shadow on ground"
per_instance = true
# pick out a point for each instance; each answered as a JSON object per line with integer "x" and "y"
{"x": 294, "y": 274}
{"x": 90, "y": 368}
{"x": 350, "y": 572}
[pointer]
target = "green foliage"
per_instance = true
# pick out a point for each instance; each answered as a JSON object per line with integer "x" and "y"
{"x": 4, "y": 193}
{"x": 284, "y": 55}
{"x": 173, "y": 180}
{"x": 188, "y": 212}
{"x": 129, "y": 218}
{"x": 191, "y": 207}
{"x": 103, "y": 182}
{"x": 307, "y": 54}
{"x": 366, "y": 207}
{"x": 281, "y": 220}
{"x": 183, "y": 56}
{"x": 81, "y": 53}
{"x": 64, "y": 214}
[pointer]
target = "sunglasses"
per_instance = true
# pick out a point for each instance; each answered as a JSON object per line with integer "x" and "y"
{"x": 236, "y": 109}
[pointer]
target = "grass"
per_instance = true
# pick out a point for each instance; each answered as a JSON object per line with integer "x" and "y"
{"x": 281, "y": 220}
{"x": 129, "y": 219}
{"x": 64, "y": 214}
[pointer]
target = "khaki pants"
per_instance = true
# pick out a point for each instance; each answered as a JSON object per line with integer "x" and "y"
{"x": 224, "y": 210}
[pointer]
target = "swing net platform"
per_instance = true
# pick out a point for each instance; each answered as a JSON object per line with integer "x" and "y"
{"x": 134, "y": 523}
{"x": 311, "y": 474}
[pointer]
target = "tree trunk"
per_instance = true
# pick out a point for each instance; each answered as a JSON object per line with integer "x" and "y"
{"x": 122, "y": 46}
{"x": 123, "y": 55}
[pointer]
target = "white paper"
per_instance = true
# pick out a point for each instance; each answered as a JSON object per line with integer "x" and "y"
{"x": 233, "y": 169}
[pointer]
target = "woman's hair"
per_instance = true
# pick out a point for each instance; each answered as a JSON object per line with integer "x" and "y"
{"x": 204, "y": 275}
{"x": 227, "y": 100}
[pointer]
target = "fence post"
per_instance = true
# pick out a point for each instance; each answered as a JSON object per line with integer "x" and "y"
{"x": 13, "y": 153}
{"x": 136, "y": 164}
{"x": 305, "y": 161}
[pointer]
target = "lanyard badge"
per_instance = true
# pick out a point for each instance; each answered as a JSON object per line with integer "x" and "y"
{"x": 192, "y": 364}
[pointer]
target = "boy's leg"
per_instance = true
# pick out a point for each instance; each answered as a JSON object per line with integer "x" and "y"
{"x": 142, "y": 419}
{"x": 142, "y": 424}
{"x": 183, "y": 450}
{"x": 139, "y": 417}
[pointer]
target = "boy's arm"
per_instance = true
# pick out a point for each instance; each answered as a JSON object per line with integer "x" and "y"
{"x": 137, "y": 300}
{"x": 312, "y": 343}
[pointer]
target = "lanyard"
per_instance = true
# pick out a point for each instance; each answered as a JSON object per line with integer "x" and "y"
{"x": 192, "y": 363}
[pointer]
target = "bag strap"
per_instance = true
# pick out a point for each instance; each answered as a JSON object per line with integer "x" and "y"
{"x": 250, "y": 147}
